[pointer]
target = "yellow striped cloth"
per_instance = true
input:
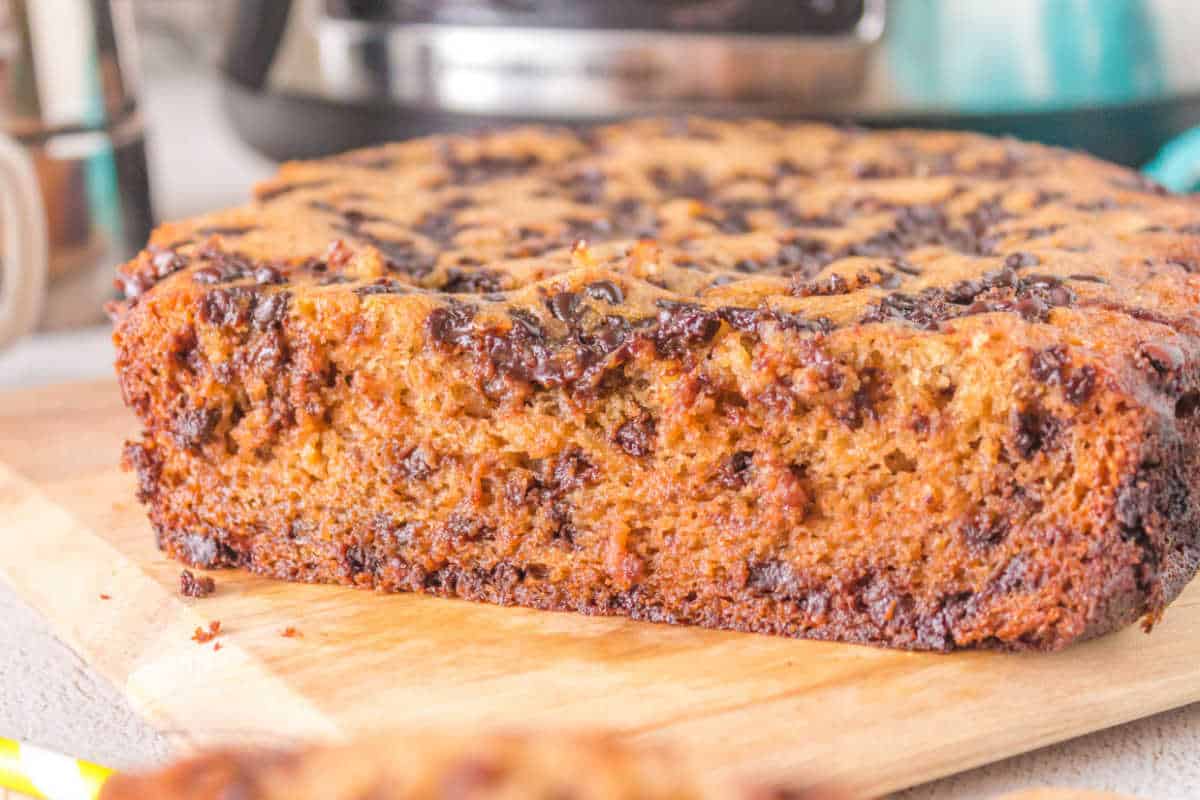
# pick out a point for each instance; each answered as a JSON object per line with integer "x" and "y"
{"x": 38, "y": 773}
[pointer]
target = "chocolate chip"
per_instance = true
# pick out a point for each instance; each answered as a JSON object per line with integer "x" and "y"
{"x": 393, "y": 532}
{"x": 1035, "y": 430}
{"x": 267, "y": 274}
{"x": 605, "y": 291}
{"x": 1042, "y": 231}
{"x": 486, "y": 167}
{"x": 1080, "y": 385}
{"x": 564, "y": 532}
{"x": 774, "y": 578}
{"x": 525, "y": 322}
{"x": 811, "y": 220}
{"x": 222, "y": 266}
{"x": 359, "y": 559}
{"x": 688, "y": 183}
{"x": 476, "y": 281}
{"x": 874, "y": 170}
{"x": 801, "y": 256}
{"x": 194, "y": 427}
{"x": 147, "y": 464}
{"x": 271, "y": 310}
{"x": 133, "y": 286}
{"x": 984, "y": 530}
{"x": 682, "y": 326}
{"x": 1044, "y": 197}
{"x": 572, "y": 470}
{"x": 731, "y": 218}
{"x": 191, "y": 586}
{"x": 157, "y": 263}
{"x": 735, "y": 472}
{"x": 401, "y": 255}
{"x": 1019, "y": 260}
{"x": 565, "y": 306}
{"x": 795, "y": 321}
{"x": 926, "y": 310}
{"x": 630, "y": 217}
{"x": 1101, "y": 204}
{"x": 208, "y": 275}
{"x": 863, "y": 404}
{"x": 378, "y": 286}
{"x": 786, "y": 168}
{"x": 411, "y": 465}
{"x": 1187, "y": 405}
{"x": 1031, "y": 309}
{"x": 586, "y": 186}
{"x": 1003, "y": 290}
{"x": 828, "y": 286}
{"x": 226, "y": 307}
{"x": 451, "y": 325}
{"x": 1048, "y": 366}
{"x": 887, "y": 280}
{"x": 523, "y": 353}
{"x": 440, "y": 226}
{"x": 610, "y": 336}
{"x": 636, "y": 435}
{"x": 742, "y": 319}
{"x": 463, "y": 528}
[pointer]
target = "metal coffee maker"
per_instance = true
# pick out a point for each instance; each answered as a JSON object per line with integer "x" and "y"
{"x": 69, "y": 101}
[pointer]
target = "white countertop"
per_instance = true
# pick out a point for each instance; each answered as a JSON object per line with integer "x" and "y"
{"x": 48, "y": 696}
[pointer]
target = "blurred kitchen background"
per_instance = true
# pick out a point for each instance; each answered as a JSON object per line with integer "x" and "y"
{"x": 140, "y": 110}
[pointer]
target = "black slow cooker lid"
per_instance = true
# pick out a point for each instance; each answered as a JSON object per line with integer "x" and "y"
{"x": 816, "y": 17}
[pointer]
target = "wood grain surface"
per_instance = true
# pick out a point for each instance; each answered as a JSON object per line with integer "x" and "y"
{"x": 77, "y": 547}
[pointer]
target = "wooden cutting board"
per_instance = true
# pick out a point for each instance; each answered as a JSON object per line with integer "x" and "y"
{"x": 879, "y": 720}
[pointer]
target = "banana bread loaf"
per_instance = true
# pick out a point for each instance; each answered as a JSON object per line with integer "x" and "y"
{"x": 918, "y": 389}
{"x": 407, "y": 767}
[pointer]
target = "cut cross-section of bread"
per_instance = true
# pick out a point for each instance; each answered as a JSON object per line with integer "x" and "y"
{"x": 924, "y": 390}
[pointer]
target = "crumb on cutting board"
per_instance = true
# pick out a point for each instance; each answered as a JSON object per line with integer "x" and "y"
{"x": 191, "y": 586}
{"x": 202, "y": 636}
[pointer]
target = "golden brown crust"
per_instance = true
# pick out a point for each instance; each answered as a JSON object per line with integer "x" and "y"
{"x": 432, "y": 767}
{"x": 926, "y": 390}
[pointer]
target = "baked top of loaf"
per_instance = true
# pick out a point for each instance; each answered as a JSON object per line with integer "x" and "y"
{"x": 428, "y": 767}
{"x": 842, "y": 227}
{"x": 682, "y": 224}
{"x": 916, "y": 388}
